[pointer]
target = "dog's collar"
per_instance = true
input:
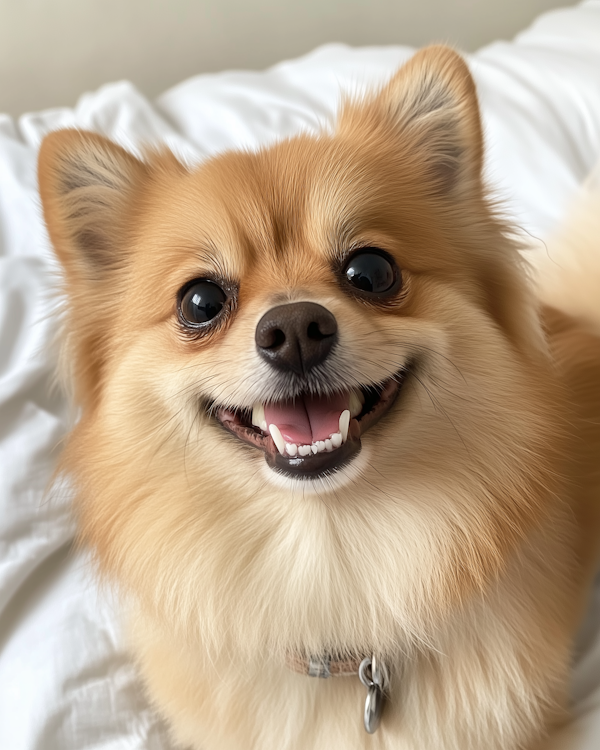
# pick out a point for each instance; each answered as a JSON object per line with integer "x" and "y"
{"x": 371, "y": 671}
{"x": 324, "y": 666}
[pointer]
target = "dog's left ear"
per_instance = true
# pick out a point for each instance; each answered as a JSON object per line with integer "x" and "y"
{"x": 430, "y": 108}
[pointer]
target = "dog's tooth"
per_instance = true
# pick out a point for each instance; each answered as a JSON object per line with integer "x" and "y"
{"x": 314, "y": 448}
{"x": 320, "y": 445}
{"x": 304, "y": 450}
{"x": 336, "y": 439}
{"x": 356, "y": 403}
{"x": 291, "y": 448}
{"x": 328, "y": 445}
{"x": 344, "y": 424}
{"x": 277, "y": 438}
{"x": 258, "y": 416}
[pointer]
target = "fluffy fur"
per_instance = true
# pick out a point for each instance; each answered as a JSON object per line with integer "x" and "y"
{"x": 460, "y": 542}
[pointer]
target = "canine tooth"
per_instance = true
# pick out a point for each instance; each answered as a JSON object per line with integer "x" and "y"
{"x": 344, "y": 424}
{"x": 320, "y": 445}
{"x": 277, "y": 438}
{"x": 314, "y": 448}
{"x": 291, "y": 448}
{"x": 304, "y": 450}
{"x": 356, "y": 403}
{"x": 258, "y": 416}
{"x": 336, "y": 439}
{"x": 328, "y": 446}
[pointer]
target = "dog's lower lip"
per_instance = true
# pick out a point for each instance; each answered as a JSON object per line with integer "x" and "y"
{"x": 312, "y": 466}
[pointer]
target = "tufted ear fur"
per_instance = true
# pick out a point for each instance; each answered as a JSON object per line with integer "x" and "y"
{"x": 86, "y": 184}
{"x": 431, "y": 104}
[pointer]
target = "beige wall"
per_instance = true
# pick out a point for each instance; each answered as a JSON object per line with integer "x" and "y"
{"x": 53, "y": 50}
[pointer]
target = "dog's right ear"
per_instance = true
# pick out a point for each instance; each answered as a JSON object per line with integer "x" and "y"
{"x": 86, "y": 184}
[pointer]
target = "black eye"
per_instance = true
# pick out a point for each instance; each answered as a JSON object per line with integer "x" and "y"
{"x": 201, "y": 301}
{"x": 371, "y": 271}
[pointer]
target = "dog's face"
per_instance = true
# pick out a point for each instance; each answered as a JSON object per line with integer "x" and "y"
{"x": 311, "y": 400}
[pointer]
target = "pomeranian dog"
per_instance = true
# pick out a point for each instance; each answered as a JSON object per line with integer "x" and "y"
{"x": 328, "y": 430}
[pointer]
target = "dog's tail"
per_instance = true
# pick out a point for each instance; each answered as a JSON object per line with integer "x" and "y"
{"x": 569, "y": 277}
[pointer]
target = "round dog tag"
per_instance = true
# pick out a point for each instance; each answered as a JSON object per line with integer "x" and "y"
{"x": 373, "y": 709}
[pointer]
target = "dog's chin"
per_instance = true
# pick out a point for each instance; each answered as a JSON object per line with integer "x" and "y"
{"x": 327, "y": 460}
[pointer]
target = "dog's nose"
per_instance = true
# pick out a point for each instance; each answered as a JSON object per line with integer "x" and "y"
{"x": 297, "y": 336}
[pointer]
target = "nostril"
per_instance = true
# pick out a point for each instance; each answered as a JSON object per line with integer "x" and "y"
{"x": 315, "y": 333}
{"x": 269, "y": 336}
{"x": 277, "y": 337}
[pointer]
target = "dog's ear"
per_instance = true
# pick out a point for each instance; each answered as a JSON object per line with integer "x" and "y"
{"x": 88, "y": 187}
{"x": 86, "y": 184}
{"x": 430, "y": 107}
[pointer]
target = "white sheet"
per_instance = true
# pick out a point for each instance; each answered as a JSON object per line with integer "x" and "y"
{"x": 65, "y": 681}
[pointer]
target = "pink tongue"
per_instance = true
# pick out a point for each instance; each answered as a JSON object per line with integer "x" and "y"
{"x": 307, "y": 419}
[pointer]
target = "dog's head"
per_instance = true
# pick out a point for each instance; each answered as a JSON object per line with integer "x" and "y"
{"x": 309, "y": 375}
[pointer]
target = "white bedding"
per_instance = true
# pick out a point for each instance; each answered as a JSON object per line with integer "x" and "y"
{"x": 65, "y": 680}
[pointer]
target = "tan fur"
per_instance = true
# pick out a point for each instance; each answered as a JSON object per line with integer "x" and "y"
{"x": 458, "y": 545}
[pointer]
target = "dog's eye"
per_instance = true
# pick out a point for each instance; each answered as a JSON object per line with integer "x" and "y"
{"x": 372, "y": 271}
{"x": 201, "y": 301}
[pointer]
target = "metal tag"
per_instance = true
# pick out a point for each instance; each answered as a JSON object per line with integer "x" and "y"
{"x": 373, "y": 675}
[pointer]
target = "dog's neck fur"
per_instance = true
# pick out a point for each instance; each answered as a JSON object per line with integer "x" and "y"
{"x": 449, "y": 693}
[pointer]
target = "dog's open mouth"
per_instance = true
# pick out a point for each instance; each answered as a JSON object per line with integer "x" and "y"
{"x": 312, "y": 435}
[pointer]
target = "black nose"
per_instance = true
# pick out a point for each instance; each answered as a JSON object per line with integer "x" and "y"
{"x": 296, "y": 337}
